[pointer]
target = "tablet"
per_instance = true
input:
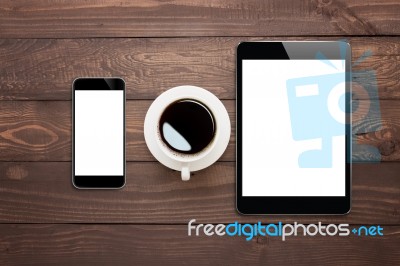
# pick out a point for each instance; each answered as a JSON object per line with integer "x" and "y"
{"x": 293, "y": 128}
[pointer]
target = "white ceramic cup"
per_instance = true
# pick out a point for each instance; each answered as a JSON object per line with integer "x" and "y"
{"x": 187, "y": 163}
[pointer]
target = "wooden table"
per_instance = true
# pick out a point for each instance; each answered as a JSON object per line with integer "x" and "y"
{"x": 156, "y": 45}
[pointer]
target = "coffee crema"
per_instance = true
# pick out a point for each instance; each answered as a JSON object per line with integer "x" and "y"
{"x": 187, "y": 126}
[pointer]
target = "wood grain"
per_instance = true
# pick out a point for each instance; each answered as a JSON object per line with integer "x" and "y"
{"x": 108, "y": 18}
{"x": 42, "y": 192}
{"x": 41, "y": 131}
{"x": 170, "y": 245}
{"x": 387, "y": 139}
{"x": 45, "y": 45}
{"x": 44, "y": 69}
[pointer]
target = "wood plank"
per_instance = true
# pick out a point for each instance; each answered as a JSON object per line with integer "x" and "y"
{"x": 43, "y": 69}
{"x": 170, "y": 245}
{"x": 387, "y": 139}
{"x": 41, "y": 131}
{"x": 107, "y": 18}
{"x": 41, "y": 192}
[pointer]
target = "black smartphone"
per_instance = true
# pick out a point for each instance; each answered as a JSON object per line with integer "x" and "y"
{"x": 98, "y": 129}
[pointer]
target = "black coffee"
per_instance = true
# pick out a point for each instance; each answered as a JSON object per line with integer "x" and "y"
{"x": 187, "y": 126}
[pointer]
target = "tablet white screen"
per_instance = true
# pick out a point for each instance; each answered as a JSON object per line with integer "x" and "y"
{"x": 293, "y": 131}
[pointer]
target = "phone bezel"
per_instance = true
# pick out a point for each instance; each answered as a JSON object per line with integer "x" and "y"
{"x": 257, "y": 205}
{"x": 95, "y": 181}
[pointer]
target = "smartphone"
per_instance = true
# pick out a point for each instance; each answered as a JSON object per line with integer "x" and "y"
{"x": 98, "y": 126}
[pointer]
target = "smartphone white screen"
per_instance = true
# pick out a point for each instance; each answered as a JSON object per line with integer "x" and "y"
{"x": 281, "y": 157}
{"x": 99, "y": 132}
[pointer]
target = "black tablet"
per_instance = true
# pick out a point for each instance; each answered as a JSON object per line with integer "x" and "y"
{"x": 293, "y": 127}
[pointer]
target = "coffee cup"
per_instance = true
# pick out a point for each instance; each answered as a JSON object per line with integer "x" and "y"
{"x": 187, "y": 129}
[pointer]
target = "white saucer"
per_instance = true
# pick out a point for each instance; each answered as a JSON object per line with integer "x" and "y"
{"x": 196, "y": 161}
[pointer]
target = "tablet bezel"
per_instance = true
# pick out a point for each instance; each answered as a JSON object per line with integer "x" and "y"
{"x": 256, "y": 205}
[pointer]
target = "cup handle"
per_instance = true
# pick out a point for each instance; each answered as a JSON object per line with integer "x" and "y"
{"x": 185, "y": 173}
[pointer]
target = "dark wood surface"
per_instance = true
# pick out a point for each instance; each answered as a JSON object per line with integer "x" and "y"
{"x": 43, "y": 69}
{"x": 41, "y": 131}
{"x": 156, "y": 45}
{"x": 110, "y": 18}
{"x": 41, "y": 192}
{"x": 68, "y": 244}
